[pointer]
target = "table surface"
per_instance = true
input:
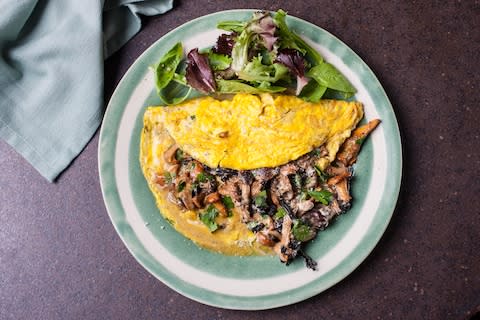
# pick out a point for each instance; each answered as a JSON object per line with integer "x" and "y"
{"x": 60, "y": 257}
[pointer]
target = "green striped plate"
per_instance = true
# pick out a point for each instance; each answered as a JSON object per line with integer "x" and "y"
{"x": 245, "y": 282}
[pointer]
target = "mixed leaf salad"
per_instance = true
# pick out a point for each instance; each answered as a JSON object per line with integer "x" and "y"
{"x": 255, "y": 56}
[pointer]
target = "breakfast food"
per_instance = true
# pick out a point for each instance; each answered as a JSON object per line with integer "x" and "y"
{"x": 252, "y": 174}
{"x": 264, "y": 170}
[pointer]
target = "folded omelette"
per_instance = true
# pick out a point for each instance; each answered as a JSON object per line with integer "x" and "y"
{"x": 232, "y": 151}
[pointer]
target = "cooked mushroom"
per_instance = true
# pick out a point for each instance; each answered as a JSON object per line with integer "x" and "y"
{"x": 350, "y": 148}
{"x": 160, "y": 180}
{"x": 198, "y": 200}
{"x": 271, "y": 199}
{"x": 212, "y": 197}
{"x": 266, "y": 238}
{"x": 300, "y": 206}
{"x": 221, "y": 209}
{"x": 264, "y": 174}
{"x": 289, "y": 168}
{"x": 281, "y": 248}
{"x": 281, "y": 188}
{"x": 239, "y": 192}
{"x": 186, "y": 196}
{"x": 311, "y": 177}
{"x": 169, "y": 155}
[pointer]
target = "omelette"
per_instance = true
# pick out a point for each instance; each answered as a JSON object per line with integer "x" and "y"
{"x": 253, "y": 174}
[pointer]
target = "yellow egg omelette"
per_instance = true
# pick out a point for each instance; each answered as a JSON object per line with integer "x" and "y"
{"x": 244, "y": 132}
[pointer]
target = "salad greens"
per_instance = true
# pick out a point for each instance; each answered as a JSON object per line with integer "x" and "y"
{"x": 255, "y": 56}
{"x": 208, "y": 218}
{"x": 171, "y": 86}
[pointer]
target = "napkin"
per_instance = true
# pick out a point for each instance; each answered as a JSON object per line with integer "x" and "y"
{"x": 51, "y": 72}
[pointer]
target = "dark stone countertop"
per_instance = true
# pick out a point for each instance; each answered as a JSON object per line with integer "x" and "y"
{"x": 60, "y": 257}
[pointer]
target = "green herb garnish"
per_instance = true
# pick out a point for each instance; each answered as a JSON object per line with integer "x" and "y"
{"x": 322, "y": 196}
{"x": 202, "y": 177}
{"x": 322, "y": 175}
{"x": 228, "y": 203}
{"x": 208, "y": 218}
{"x": 301, "y": 231}
{"x": 260, "y": 199}
{"x": 280, "y": 213}
{"x": 181, "y": 186}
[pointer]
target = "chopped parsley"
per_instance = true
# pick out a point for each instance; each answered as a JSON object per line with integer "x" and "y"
{"x": 322, "y": 175}
{"x": 298, "y": 181}
{"x": 303, "y": 195}
{"x": 280, "y": 213}
{"x": 228, "y": 203}
{"x": 260, "y": 199}
{"x": 322, "y": 196}
{"x": 208, "y": 218}
{"x": 181, "y": 186}
{"x": 301, "y": 231}
{"x": 203, "y": 177}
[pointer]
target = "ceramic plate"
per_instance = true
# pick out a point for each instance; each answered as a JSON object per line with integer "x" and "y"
{"x": 245, "y": 282}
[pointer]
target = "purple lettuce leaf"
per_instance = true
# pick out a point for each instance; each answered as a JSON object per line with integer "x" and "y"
{"x": 264, "y": 26}
{"x": 225, "y": 43}
{"x": 296, "y": 64}
{"x": 199, "y": 74}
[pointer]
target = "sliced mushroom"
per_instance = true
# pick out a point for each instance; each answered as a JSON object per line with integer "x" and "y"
{"x": 282, "y": 247}
{"x": 198, "y": 200}
{"x": 160, "y": 180}
{"x": 169, "y": 155}
{"x": 221, "y": 209}
{"x": 212, "y": 197}
{"x": 351, "y": 147}
{"x": 289, "y": 168}
{"x": 281, "y": 188}
{"x": 311, "y": 178}
{"x": 239, "y": 192}
{"x": 197, "y": 169}
{"x": 174, "y": 199}
{"x": 343, "y": 191}
{"x": 303, "y": 206}
{"x": 265, "y": 238}
{"x": 264, "y": 174}
{"x": 256, "y": 187}
{"x": 186, "y": 196}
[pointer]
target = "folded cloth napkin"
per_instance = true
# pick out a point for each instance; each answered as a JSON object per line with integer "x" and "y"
{"x": 51, "y": 72}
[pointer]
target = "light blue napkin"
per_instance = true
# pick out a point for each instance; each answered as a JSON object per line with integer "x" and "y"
{"x": 51, "y": 72}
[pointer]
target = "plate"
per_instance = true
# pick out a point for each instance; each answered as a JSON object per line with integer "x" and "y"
{"x": 255, "y": 282}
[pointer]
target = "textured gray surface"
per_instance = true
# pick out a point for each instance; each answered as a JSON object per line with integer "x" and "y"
{"x": 60, "y": 257}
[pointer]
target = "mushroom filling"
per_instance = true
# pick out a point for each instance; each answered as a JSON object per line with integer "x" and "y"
{"x": 284, "y": 207}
